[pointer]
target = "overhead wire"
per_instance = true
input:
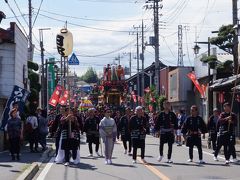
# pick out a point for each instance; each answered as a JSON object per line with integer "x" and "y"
{"x": 83, "y": 26}
{"x": 91, "y": 19}
{"x": 114, "y": 1}
{"x": 178, "y": 12}
{"x": 164, "y": 40}
{"x": 17, "y": 19}
{"x": 177, "y": 9}
{"x": 22, "y": 15}
{"x": 186, "y": 37}
{"x": 204, "y": 17}
{"x": 111, "y": 52}
{"x": 38, "y": 12}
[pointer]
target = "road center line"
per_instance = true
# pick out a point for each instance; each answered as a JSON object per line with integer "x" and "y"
{"x": 44, "y": 172}
{"x": 154, "y": 170}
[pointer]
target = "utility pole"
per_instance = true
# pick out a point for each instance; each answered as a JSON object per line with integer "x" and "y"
{"x": 156, "y": 34}
{"x": 235, "y": 37}
{"x": 180, "y": 49}
{"x": 155, "y": 8}
{"x": 142, "y": 58}
{"x": 30, "y": 47}
{"x": 138, "y": 78}
{"x": 43, "y": 91}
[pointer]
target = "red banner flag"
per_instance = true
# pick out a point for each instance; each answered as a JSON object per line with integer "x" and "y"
{"x": 64, "y": 98}
{"x": 55, "y": 96}
{"x": 192, "y": 76}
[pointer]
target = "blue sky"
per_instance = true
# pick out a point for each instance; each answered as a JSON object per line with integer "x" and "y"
{"x": 116, "y": 18}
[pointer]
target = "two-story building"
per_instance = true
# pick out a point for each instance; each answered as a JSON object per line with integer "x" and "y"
{"x": 13, "y": 63}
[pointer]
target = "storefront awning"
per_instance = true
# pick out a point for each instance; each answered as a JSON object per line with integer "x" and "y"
{"x": 221, "y": 84}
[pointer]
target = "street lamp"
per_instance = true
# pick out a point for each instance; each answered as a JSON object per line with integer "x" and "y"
{"x": 196, "y": 49}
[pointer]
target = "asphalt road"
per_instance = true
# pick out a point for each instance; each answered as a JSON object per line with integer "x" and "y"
{"x": 123, "y": 169}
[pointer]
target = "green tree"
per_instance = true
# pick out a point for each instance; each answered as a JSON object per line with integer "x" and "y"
{"x": 224, "y": 40}
{"x": 35, "y": 87}
{"x": 90, "y": 76}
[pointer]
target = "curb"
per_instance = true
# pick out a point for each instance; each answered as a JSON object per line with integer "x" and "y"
{"x": 31, "y": 171}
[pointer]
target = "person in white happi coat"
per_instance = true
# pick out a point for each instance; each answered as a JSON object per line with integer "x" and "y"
{"x": 108, "y": 132}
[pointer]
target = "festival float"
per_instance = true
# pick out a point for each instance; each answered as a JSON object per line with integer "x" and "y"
{"x": 113, "y": 87}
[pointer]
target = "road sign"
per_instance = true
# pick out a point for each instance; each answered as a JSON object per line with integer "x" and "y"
{"x": 73, "y": 60}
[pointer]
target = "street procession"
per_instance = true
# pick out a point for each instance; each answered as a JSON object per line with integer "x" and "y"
{"x": 109, "y": 89}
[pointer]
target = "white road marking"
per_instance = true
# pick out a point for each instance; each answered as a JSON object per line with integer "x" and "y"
{"x": 205, "y": 152}
{"x": 44, "y": 172}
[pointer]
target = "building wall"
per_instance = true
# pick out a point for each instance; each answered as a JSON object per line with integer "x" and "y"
{"x": 164, "y": 81}
{"x": 180, "y": 88}
{"x": 21, "y": 54}
{"x": 7, "y": 69}
{"x": 13, "y": 56}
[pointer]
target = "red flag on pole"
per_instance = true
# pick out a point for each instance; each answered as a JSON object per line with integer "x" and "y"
{"x": 192, "y": 76}
{"x": 64, "y": 98}
{"x": 55, "y": 96}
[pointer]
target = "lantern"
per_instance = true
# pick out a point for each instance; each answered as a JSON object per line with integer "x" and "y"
{"x": 64, "y": 42}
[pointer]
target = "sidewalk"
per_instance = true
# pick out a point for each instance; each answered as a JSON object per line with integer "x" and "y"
{"x": 10, "y": 170}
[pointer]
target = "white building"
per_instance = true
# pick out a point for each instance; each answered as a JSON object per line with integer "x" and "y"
{"x": 201, "y": 71}
{"x": 13, "y": 62}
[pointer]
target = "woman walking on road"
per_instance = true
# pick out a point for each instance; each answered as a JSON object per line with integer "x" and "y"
{"x": 108, "y": 132}
{"x": 14, "y": 133}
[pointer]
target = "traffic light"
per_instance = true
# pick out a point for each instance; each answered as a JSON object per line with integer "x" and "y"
{"x": 64, "y": 42}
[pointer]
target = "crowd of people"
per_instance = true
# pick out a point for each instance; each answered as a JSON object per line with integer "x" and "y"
{"x": 103, "y": 127}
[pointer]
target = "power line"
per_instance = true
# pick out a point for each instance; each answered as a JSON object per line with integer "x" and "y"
{"x": 37, "y": 12}
{"x": 179, "y": 6}
{"x": 91, "y": 19}
{"x": 168, "y": 46}
{"x": 113, "y": 1}
{"x": 205, "y": 16}
{"x": 186, "y": 36}
{"x": 22, "y": 15}
{"x": 179, "y": 11}
{"x": 111, "y": 52}
{"x": 17, "y": 19}
{"x": 83, "y": 26}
